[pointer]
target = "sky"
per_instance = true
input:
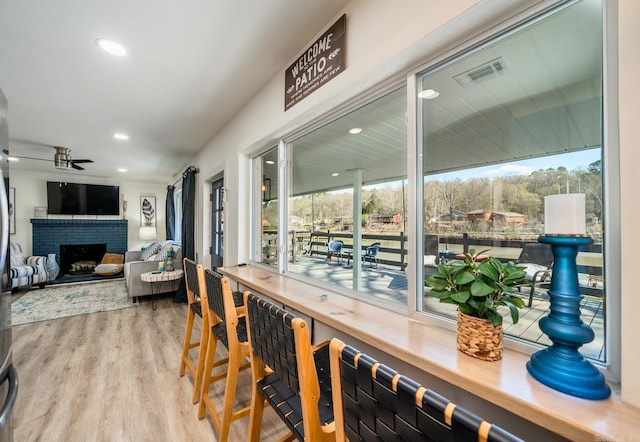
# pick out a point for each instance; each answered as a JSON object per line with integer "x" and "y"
{"x": 571, "y": 161}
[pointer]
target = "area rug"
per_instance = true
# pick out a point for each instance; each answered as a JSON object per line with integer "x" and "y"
{"x": 69, "y": 300}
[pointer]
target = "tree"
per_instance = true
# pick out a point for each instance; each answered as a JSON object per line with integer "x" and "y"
{"x": 450, "y": 191}
{"x": 521, "y": 200}
{"x": 371, "y": 204}
{"x": 475, "y": 195}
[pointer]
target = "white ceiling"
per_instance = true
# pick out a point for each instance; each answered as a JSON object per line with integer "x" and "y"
{"x": 191, "y": 66}
{"x": 190, "y": 70}
{"x": 545, "y": 100}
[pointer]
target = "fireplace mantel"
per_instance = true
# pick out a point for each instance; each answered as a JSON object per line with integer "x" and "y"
{"x": 49, "y": 234}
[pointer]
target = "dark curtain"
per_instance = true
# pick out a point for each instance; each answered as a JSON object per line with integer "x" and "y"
{"x": 170, "y": 215}
{"x": 188, "y": 223}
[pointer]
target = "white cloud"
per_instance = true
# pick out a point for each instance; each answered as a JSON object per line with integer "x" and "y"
{"x": 510, "y": 169}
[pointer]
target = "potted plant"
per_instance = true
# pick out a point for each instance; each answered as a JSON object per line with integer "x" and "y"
{"x": 478, "y": 288}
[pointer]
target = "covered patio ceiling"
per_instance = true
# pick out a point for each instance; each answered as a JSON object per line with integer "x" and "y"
{"x": 531, "y": 94}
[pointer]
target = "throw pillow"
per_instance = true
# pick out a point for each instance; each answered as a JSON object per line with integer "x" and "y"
{"x": 150, "y": 251}
{"x": 430, "y": 261}
{"x": 162, "y": 254}
{"x": 108, "y": 269}
{"x": 531, "y": 269}
{"x": 17, "y": 258}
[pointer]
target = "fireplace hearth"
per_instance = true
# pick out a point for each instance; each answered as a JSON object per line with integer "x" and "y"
{"x": 50, "y": 233}
{"x": 78, "y": 259}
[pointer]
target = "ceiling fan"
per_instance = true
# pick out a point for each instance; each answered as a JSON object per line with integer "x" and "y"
{"x": 62, "y": 159}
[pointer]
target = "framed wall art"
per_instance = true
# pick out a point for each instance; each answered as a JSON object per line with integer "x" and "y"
{"x": 148, "y": 211}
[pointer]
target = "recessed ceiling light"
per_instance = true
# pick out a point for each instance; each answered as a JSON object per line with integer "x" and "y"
{"x": 270, "y": 162}
{"x": 121, "y": 169}
{"x": 13, "y": 159}
{"x": 355, "y": 130}
{"x": 111, "y": 47}
{"x": 335, "y": 174}
{"x": 121, "y": 136}
{"x": 428, "y": 94}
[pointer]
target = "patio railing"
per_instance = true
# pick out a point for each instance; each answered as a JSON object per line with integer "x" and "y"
{"x": 393, "y": 250}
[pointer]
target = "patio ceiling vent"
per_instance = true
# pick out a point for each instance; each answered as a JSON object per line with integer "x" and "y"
{"x": 485, "y": 70}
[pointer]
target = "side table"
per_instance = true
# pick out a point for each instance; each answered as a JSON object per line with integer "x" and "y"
{"x": 156, "y": 279}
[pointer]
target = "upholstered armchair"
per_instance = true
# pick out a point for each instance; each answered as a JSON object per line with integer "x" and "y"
{"x": 27, "y": 271}
{"x": 137, "y": 262}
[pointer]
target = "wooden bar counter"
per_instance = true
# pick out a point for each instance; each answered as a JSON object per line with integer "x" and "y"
{"x": 432, "y": 349}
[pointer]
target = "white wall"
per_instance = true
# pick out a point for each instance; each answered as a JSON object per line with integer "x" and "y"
{"x": 373, "y": 54}
{"x": 384, "y": 38}
{"x": 31, "y": 192}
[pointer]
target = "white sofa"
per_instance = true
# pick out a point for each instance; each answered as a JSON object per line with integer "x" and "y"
{"x": 27, "y": 271}
{"x": 137, "y": 262}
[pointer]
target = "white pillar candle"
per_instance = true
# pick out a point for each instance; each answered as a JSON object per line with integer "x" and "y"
{"x": 565, "y": 214}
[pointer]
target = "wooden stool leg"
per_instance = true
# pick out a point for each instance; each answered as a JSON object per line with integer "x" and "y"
{"x": 187, "y": 341}
{"x": 257, "y": 401}
{"x": 210, "y": 356}
{"x": 205, "y": 337}
{"x": 233, "y": 370}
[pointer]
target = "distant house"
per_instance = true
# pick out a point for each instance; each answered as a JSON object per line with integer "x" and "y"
{"x": 393, "y": 218}
{"x": 508, "y": 217}
{"x": 457, "y": 216}
{"x": 478, "y": 215}
{"x": 497, "y": 217}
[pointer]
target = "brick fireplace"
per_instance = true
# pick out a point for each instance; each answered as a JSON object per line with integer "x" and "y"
{"x": 50, "y": 234}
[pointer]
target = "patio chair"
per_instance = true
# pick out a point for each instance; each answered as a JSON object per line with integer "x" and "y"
{"x": 431, "y": 252}
{"x": 290, "y": 374}
{"x": 537, "y": 259}
{"x": 373, "y": 402}
{"x": 371, "y": 254}
{"x": 334, "y": 248}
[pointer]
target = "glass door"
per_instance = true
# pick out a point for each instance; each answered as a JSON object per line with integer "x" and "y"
{"x": 217, "y": 222}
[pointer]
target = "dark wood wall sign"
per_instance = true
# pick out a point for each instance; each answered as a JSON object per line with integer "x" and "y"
{"x": 318, "y": 64}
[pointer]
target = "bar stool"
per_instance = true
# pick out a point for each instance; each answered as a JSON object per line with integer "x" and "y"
{"x": 373, "y": 402}
{"x": 194, "y": 309}
{"x": 227, "y": 324}
{"x": 290, "y": 374}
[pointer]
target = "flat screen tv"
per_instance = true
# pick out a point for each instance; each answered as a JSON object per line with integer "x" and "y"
{"x": 82, "y": 199}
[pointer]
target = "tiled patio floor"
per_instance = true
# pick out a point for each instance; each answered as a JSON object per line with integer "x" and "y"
{"x": 390, "y": 284}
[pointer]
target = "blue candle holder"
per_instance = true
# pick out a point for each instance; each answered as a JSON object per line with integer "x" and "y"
{"x": 561, "y": 366}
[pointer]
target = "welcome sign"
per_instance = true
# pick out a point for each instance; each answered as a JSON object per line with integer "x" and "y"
{"x": 318, "y": 64}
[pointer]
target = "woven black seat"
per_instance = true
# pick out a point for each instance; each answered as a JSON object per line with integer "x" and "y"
{"x": 220, "y": 331}
{"x": 373, "y": 402}
{"x": 227, "y": 323}
{"x": 288, "y": 372}
{"x": 195, "y": 309}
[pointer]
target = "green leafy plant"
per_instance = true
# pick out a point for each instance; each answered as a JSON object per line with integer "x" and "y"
{"x": 479, "y": 288}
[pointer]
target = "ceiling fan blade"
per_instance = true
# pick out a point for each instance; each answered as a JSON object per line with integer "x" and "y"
{"x": 75, "y": 166}
{"x": 82, "y": 161}
{"x": 31, "y": 158}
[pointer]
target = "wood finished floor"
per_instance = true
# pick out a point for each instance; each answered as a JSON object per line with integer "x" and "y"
{"x": 113, "y": 376}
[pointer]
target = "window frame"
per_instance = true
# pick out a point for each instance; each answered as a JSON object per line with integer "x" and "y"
{"x": 610, "y": 171}
{"x": 415, "y": 225}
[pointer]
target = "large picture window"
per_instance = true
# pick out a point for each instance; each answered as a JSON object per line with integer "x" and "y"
{"x": 502, "y": 127}
{"x": 347, "y": 202}
{"x": 498, "y": 128}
